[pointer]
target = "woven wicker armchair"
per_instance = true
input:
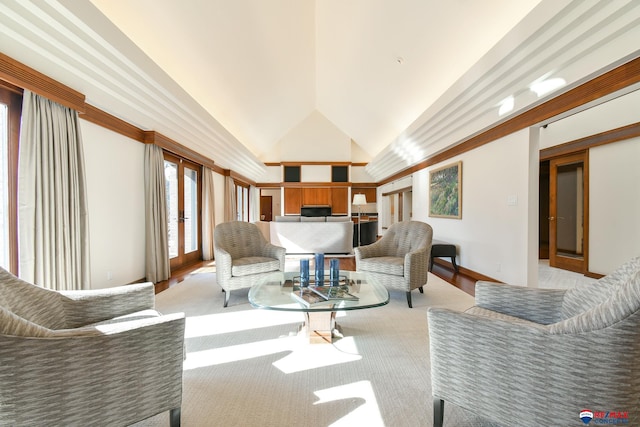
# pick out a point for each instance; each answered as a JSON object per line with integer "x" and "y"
{"x": 79, "y": 358}
{"x": 244, "y": 256}
{"x": 527, "y": 356}
{"x": 400, "y": 259}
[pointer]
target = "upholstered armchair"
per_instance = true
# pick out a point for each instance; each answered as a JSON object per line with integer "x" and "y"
{"x": 400, "y": 259}
{"x": 244, "y": 256}
{"x": 527, "y": 356}
{"x": 101, "y": 357}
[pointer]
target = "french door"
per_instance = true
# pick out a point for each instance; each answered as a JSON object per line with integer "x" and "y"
{"x": 183, "y": 187}
{"x": 568, "y": 212}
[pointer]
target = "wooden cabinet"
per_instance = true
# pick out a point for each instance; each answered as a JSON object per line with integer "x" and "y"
{"x": 292, "y": 201}
{"x": 340, "y": 201}
{"x": 316, "y": 196}
{"x": 336, "y": 197}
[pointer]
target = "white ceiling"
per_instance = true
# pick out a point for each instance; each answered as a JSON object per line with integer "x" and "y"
{"x": 261, "y": 67}
{"x": 404, "y": 79}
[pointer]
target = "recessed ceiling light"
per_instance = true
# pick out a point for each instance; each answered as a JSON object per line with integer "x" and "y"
{"x": 400, "y": 60}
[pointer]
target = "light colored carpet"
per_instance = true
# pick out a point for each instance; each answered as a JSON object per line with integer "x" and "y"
{"x": 247, "y": 367}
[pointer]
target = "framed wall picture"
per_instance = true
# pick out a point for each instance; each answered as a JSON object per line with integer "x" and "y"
{"x": 445, "y": 191}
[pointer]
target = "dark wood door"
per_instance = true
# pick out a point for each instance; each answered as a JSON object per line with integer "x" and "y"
{"x": 568, "y": 212}
{"x": 266, "y": 208}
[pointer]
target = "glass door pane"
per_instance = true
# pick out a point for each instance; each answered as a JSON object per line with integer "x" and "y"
{"x": 190, "y": 215}
{"x": 171, "y": 177}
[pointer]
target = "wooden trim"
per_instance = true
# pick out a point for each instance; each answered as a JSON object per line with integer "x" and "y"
{"x": 465, "y": 271}
{"x": 583, "y": 144}
{"x": 364, "y": 185}
{"x": 620, "y": 77}
{"x": 401, "y": 190}
{"x": 101, "y": 118}
{"x": 593, "y": 275}
{"x": 12, "y": 88}
{"x": 153, "y": 137}
{"x": 312, "y": 184}
{"x": 26, "y": 77}
{"x": 315, "y": 163}
{"x": 239, "y": 178}
{"x": 277, "y": 185}
{"x": 361, "y": 164}
{"x": 273, "y": 164}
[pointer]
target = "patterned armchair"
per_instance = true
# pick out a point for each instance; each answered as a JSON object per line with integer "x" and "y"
{"x": 400, "y": 259}
{"x": 243, "y": 256}
{"x": 528, "y": 356}
{"x": 100, "y": 357}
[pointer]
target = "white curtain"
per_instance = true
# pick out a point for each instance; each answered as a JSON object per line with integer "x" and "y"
{"x": 230, "y": 208}
{"x": 52, "y": 216}
{"x": 254, "y": 204}
{"x": 208, "y": 213}
{"x": 156, "y": 232}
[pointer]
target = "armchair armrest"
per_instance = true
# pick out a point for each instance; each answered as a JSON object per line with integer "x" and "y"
{"x": 272, "y": 251}
{"x": 369, "y": 251}
{"x": 416, "y": 266}
{"x": 537, "y": 305}
{"x": 223, "y": 263}
{"x": 91, "y": 306}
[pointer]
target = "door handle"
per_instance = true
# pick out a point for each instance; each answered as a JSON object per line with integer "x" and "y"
{"x": 551, "y": 218}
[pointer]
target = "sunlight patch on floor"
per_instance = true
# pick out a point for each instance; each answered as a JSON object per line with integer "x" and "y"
{"x": 367, "y": 414}
{"x": 311, "y": 356}
{"x": 224, "y": 323}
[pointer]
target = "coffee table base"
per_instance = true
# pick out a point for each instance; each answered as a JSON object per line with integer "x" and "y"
{"x": 319, "y": 326}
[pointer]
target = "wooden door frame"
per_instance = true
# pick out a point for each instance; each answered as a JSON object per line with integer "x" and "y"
{"x": 566, "y": 263}
{"x": 184, "y": 259}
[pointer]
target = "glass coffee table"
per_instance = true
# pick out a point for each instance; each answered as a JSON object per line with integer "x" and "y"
{"x": 319, "y": 319}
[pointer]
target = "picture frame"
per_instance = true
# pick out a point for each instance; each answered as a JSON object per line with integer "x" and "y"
{"x": 445, "y": 191}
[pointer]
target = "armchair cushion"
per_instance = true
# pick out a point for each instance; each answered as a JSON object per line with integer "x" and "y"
{"x": 384, "y": 264}
{"x": 254, "y": 265}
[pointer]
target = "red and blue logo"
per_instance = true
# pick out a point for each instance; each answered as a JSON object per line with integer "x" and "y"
{"x": 604, "y": 417}
{"x": 586, "y": 416}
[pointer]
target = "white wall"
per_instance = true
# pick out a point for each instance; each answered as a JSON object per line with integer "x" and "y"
{"x": 493, "y": 232}
{"x": 614, "y": 205}
{"x": 314, "y": 139}
{"x": 115, "y": 187}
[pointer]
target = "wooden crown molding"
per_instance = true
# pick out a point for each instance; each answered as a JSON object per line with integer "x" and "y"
{"x": 166, "y": 143}
{"x": 583, "y": 144}
{"x": 26, "y": 77}
{"x": 97, "y": 116}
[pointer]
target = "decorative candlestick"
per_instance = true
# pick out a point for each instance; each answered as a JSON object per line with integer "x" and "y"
{"x": 334, "y": 272}
{"x": 304, "y": 273}
{"x": 319, "y": 269}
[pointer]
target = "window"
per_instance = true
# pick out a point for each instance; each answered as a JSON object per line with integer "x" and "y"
{"x": 292, "y": 174}
{"x": 10, "y": 111}
{"x": 242, "y": 201}
{"x": 339, "y": 173}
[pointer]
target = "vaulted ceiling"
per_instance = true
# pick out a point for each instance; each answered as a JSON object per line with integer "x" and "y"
{"x": 403, "y": 79}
